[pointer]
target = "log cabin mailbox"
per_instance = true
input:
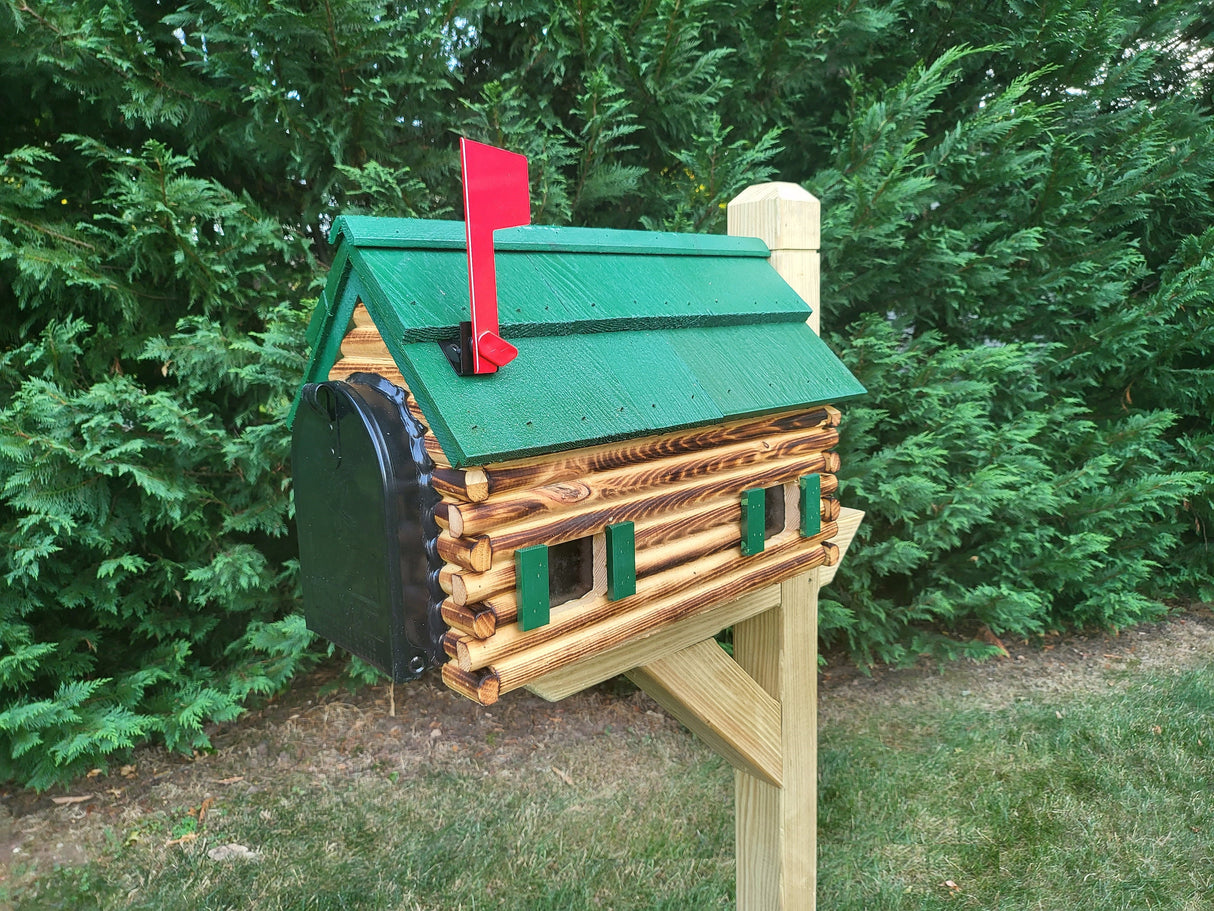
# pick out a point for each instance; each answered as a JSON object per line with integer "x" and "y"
{"x": 655, "y": 461}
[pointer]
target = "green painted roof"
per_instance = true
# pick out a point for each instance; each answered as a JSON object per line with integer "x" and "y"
{"x": 620, "y": 333}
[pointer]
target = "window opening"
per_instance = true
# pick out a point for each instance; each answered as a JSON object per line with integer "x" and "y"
{"x": 774, "y": 520}
{"x": 570, "y": 570}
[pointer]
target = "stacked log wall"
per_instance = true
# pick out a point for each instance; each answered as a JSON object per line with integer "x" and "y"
{"x": 681, "y": 490}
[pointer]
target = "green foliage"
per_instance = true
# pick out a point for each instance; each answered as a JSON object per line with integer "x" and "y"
{"x": 1017, "y": 260}
{"x": 142, "y": 461}
{"x": 993, "y": 501}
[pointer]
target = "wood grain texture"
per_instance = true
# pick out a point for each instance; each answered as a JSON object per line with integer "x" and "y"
{"x": 475, "y": 554}
{"x": 849, "y": 523}
{"x": 350, "y": 365}
{"x": 470, "y": 620}
{"x": 365, "y": 342}
{"x": 665, "y": 527}
{"x": 600, "y": 666}
{"x": 539, "y": 471}
{"x": 658, "y": 485}
{"x": 470, "y": 486}
{"x": 522, "y": 666}
{"x": 483, "y": 688}
{"x": 566, "y": 620}
{"x": 776, "y": 828}
{"x": 830, "y": 509}
{"x": 702, "y": 574}
{"x": 786, "y": 217}
{"x": 704, "y": 688}
{"x": 783, "y": 215}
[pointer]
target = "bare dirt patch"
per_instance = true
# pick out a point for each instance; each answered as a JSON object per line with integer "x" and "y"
{"x": 318, "y": 734}
{"x": 1057, "y": 665}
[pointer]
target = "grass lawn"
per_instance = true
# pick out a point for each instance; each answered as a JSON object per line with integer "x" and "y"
{"x": 1094, "y": 793}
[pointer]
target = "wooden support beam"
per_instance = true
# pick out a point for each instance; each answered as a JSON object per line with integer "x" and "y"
{"x": 606, "y": 664}
{"x": 848, "y": 523}
{"x": 786, "y": 217}
{"x": 703, "y": 688}
{"x": 776, "y": 828}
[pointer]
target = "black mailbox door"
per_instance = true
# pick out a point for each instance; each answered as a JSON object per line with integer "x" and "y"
{"x": 364, "y": 509}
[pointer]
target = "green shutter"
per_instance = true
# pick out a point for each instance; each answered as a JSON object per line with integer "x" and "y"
{"x": 811, "y": 505}
{"x": 754, "y": 503}
{"x": 531, "y": 570}
{"x": 621, "y": 560}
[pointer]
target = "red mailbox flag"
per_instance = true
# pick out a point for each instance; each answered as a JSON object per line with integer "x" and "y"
{"x": 495, "y": 196}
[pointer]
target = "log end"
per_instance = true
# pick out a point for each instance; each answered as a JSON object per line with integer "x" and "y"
{"x": 483, "y": 688}
{"x": 830, "y": 509}
{"x": 455, "y": 519}
{"x": 481, "y": 554}
{"x": 831, "y": 552}
{"x": 476, "y": 484}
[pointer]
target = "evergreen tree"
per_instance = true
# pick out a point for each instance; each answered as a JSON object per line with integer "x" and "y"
{"x": 1017, "y": 261}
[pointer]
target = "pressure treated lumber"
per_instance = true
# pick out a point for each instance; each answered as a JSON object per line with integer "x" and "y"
{"x": 786, "y": 217}
{"x": 705, "y": 689}
{"x": 776, "y": 833}
{"x": 520, "y": 667}
{"x": 673, "y": 637}
{"x": 849, "y": 522}
{"x": 776, "y": 828}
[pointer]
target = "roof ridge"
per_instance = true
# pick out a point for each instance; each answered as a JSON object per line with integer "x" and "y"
{"x": 429, "y": 234}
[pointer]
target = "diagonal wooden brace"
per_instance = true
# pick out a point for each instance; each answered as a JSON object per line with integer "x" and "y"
{"x": 705, "y": 689}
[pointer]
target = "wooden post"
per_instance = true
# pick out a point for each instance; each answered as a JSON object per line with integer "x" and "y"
{"x": 786, "y": 217}
{"x": 776, "y": 828}
{"x": 760, "y": 711}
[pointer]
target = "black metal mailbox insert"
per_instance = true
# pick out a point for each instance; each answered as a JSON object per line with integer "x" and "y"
{"x": 364, "y": 509}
